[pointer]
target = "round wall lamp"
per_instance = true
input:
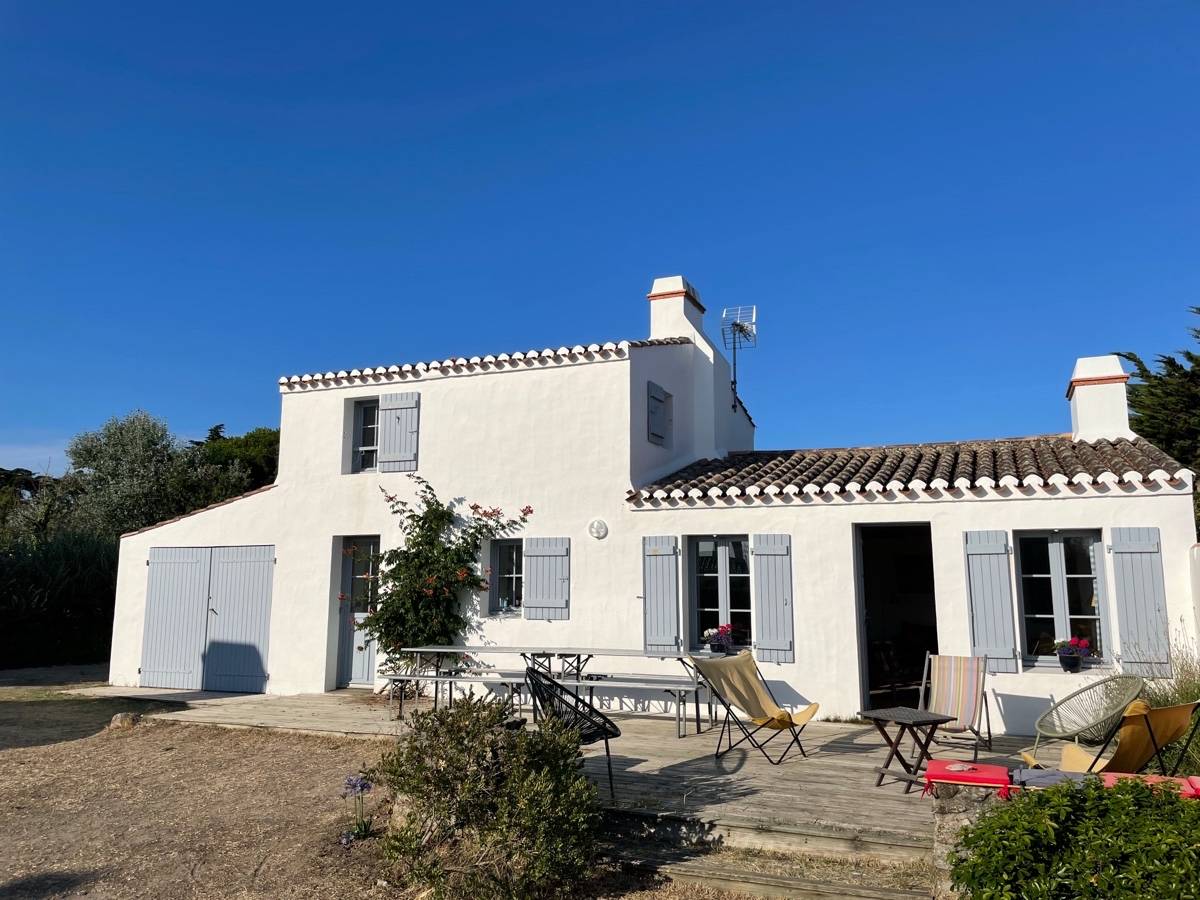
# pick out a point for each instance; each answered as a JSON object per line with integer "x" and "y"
{"x": 598, "y": 529}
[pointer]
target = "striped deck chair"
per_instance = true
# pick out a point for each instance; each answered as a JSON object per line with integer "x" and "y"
{"x": 956, "y": 688}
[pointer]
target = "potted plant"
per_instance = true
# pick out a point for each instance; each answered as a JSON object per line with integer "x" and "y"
{"x": 1072, "y": 653}
{"x": 719, "y": 639}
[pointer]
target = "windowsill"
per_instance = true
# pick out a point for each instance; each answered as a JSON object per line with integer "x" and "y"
{"x": 506, "y": 614}
{"x": 1051, "y": 664}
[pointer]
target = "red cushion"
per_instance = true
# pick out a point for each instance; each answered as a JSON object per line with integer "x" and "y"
{"x": 1188, "y": 787}
{"x": 940, "y": 771}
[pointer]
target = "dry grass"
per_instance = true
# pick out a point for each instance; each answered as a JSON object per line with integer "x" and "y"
{"x": 166, "y": 811}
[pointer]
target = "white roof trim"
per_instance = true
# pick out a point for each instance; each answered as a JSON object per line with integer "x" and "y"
{"x": 575, "y": 355}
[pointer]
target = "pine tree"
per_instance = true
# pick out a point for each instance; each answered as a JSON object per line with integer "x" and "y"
{"x": 1165, "y": 404}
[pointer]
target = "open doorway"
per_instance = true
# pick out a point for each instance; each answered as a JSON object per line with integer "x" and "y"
{"x": 899, "y": 619}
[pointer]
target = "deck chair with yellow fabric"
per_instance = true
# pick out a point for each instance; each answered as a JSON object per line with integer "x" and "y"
{"x": 1141, "y": 738}
{"x": 737, "y": 684}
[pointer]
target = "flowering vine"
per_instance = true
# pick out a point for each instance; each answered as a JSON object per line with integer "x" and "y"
{"x": 424, "y": 584}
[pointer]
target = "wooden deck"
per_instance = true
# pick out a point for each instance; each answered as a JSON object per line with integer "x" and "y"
{"x": 825, "y": 803}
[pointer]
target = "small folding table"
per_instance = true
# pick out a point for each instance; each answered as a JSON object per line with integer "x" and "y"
{"x": 915, "y": 723}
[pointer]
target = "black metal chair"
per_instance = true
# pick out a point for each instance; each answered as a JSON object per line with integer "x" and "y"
{"x": 552, "y": 699}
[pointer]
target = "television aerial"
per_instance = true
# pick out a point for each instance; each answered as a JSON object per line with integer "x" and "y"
{"x": 739, "y": 330}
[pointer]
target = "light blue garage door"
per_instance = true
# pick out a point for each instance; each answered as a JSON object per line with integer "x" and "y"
{"x": 208, "y": 618}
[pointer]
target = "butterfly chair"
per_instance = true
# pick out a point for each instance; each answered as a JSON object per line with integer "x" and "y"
{"x": 1141, "y": 737}
{"x": 1090, "y": 715}
{"x": 552, "y": 699}
{"x": 737, "y": 684}
{"x": 956, "y": 688}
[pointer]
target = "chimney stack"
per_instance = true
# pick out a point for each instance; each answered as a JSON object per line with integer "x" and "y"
{"x": 675, "y": 308}
{"x": 1099, "y": 407}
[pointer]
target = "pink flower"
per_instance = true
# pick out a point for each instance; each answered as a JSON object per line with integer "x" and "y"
{"x": 527, "y": 510}
{"x": 1074, "y": 642}
{"x": 1084, "y": 644}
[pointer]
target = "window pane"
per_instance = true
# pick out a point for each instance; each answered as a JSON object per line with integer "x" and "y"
{"x": 1035, "y": 555}
{"x": 706, "y": 556}
{"x": 739, "y": 593}
{"x": 366, "y": 459}
{"x": 706, "y": 619}
{"x": 740, "y": 620}
{"x": 1037, "y": 596}
{"x": 1090, "y": 629}
{"x": 739, "y": 557}
{"x": 370, "y": 415}
{"x": 1081, "y": 597}
{"x": 1078, "y": 553}
{"x": 1039, "y": 636}
{"x": 706, "y": 592}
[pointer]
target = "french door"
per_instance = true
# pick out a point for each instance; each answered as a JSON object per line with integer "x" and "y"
{"x": 720, "y": 588}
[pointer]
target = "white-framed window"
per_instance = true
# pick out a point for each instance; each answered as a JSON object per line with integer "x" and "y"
{"x": 1061, "y": 594}
{"x": 365, "y": 452}
{"x": 720, "y": 587}
{"x": 508, "y": 565}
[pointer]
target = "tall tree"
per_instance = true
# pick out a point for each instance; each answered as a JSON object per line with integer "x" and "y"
{"x": 257, "y": 451}
{"x": 1166, "y": 403}
{"x": 135, "y": 473}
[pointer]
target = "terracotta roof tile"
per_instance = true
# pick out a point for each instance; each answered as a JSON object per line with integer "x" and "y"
{"x": 967, "y": 464}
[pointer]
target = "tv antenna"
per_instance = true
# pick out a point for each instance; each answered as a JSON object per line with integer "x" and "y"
{"x": 739, "y": 329}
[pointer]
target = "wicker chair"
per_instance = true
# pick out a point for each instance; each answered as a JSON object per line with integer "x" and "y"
{"x": 552, "y": 699}
{"x": 1091, "y": 715}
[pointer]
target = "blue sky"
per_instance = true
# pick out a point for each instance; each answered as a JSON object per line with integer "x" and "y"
{"x": 936, "y": 207}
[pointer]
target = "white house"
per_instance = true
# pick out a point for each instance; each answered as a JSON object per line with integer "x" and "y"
{"x": 840, "y": 567}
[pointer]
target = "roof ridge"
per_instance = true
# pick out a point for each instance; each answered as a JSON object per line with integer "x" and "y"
{"x": 492, "y": 362}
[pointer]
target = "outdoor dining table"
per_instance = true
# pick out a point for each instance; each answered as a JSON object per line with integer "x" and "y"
{"x": 572, "y": 660}
{"x": 918, "y": 724}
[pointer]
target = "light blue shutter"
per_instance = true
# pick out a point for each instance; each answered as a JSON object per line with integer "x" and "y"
{"x": 547, "y": 578}
{"x": 660, "y": 593}
{"x": 657, "y": 426}
{"x": 176, "y": 617}
{"x": 989, "y": 584}
{"x": 1141, "y": 602}
{"x": 774, "y": 612}
{"x": 239, "y": 619}
{"x": 399, "y": 430}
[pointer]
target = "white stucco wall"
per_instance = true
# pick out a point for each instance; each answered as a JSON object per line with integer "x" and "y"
{"x": 569, "y": 438}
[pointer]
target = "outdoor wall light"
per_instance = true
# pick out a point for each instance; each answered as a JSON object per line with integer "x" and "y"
{"x": 598, "y": 529}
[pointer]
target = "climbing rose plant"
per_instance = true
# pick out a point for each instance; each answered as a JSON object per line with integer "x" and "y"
{"x": 425, "y": 583}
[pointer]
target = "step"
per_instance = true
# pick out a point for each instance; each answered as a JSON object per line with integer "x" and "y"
{"x": 811, "y": 838}
{"x": 722, "y": 874}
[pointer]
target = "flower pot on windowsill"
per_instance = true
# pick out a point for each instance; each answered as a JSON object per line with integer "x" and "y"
{"x": 1071, "y": 663}
{"x": 717, "y": 648}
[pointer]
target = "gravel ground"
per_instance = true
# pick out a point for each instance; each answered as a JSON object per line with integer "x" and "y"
{"x": 165, "y": 811}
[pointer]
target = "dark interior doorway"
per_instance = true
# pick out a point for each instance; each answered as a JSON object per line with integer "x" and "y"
{"x": 899, "y": 616}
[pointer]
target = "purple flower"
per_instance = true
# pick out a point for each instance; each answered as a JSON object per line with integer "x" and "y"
{"x": 356, "y": 786}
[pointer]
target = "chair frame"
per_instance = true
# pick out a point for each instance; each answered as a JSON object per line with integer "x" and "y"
{"x": 985, "y": 714}
{"x": 546, "y": 693}
{"x": 732, "y": 718}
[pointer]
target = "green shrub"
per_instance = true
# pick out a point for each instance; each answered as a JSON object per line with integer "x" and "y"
{"x": 484, "y": 811}
{"x": 1085, "y": 841}
{"x": 56, "y": 599}
{"x": 1182, "y": 687}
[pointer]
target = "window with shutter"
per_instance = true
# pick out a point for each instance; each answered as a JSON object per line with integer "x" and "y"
{"x": 399, "y": 431}
{"x": 546, "y": 579}
{"x": 660, "y": 594}
{"x": 1141, "y": 602}
{"x": 989, "y": 586}
{"x": 659, "y": 415}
